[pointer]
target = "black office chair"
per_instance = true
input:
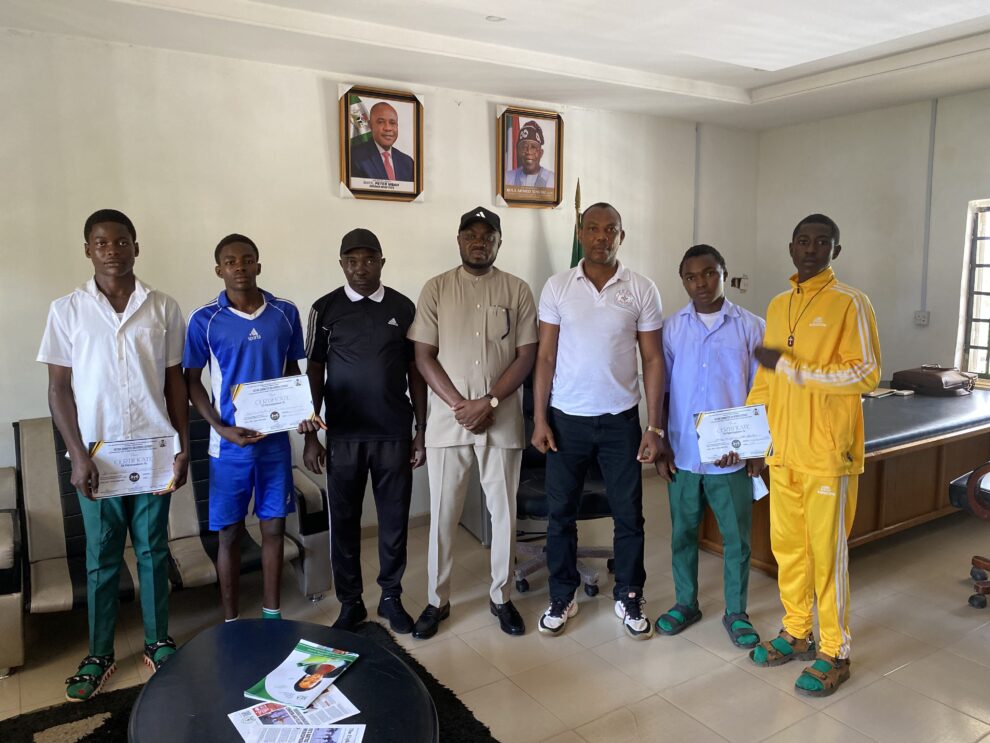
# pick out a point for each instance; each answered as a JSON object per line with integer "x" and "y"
{"x": 531, "y": 503}
{"x": 969, "y": 493}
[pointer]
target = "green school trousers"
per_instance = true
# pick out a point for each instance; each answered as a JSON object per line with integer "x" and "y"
{"x": 107, "y": 521}
{"x": 731, "y": 499}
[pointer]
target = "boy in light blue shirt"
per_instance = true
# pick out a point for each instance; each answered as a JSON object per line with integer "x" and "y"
{"x": 708, "y": 351}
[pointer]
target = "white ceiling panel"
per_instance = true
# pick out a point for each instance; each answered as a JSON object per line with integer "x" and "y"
{"x": 691, "y": 59}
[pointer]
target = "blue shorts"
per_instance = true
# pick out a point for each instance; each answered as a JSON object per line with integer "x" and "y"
{"x": 233, "y": 480}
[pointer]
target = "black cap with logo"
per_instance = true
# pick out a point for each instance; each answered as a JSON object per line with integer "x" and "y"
{"x": 480, "y": 214}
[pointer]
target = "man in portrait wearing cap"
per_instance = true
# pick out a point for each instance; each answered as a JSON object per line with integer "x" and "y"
{"x": 529, "y": 151}
{"x": 475, "y": 337}
{"x": 378, "y": 159}
{"x": 361, "y": 365}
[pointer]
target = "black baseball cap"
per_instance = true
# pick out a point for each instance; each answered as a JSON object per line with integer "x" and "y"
{"x": 480, "y": 214}
{"x": 360, "y": 238}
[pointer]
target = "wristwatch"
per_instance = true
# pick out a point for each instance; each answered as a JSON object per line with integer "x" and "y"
{"x": 657, "y": 431}
{"x": 492, "y": 400}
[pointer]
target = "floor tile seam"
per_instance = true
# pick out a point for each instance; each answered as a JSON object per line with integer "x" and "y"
{"x": 942, "y": 703}
{"x": 531, "y": 698}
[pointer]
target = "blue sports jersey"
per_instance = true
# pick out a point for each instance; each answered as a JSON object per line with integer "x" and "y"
{"x": 242, "y": 348}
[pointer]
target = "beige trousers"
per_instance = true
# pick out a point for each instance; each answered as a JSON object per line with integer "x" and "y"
{"x": 449, "y": 467}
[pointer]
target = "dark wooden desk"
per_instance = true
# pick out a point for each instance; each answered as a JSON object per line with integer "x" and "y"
{"x": 190, "y": 697}
{"x": 915, "y": 446}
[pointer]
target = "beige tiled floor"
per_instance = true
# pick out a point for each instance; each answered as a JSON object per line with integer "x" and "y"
{"x": 921, "y": 656}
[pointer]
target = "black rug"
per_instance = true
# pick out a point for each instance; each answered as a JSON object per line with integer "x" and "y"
{"x": 104, "y": 718}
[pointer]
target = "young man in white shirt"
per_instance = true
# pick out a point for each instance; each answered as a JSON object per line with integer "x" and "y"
{"x": 113, "y": 349}
{"x": 585, "y": 407}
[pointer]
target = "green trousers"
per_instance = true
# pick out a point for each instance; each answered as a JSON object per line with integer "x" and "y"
{"x": 731, "y": 499}
{"x": 107, "y": 521}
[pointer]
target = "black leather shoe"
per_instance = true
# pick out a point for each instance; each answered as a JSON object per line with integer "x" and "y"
{"x": 398, "y": 618}
{"x": 352, "y": 613}
{"x": 508, "y": 618}
{"x": 428, "y": 622}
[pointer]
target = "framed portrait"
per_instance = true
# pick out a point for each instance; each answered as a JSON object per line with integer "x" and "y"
{"x": 530, "y": 154}
{"x": 381, "y": 144}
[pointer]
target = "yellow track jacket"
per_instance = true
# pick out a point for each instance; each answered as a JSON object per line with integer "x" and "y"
{"x": 813, "y": 396}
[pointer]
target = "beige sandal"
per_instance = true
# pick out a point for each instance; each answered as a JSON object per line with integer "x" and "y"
{"x": 783, "y": 649}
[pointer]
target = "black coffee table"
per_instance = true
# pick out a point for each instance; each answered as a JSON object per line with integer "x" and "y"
{"x": 190, "y": 697}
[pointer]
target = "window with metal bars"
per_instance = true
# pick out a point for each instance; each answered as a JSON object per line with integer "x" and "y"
{"x": 976, "y": 333}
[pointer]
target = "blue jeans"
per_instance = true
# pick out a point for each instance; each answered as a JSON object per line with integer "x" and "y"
{"x": 614, "y": 441}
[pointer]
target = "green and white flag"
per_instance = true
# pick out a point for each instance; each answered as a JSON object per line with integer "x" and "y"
{"x": 360, "y": 123}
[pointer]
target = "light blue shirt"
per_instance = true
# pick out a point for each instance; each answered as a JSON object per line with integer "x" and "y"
{"x": 707, "y": 370}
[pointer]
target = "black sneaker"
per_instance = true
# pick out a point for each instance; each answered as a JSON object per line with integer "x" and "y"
{"x": 429, "y": 621}
{"x": 390, "y": 607}
{"x": 630, "y": 610}
{"x": 352, "y": 613}
{"x": 555, "y": 617}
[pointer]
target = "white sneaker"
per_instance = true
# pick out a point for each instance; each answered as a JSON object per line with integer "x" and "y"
{"x": 630, "y": 611}
{"x": 555, "y": 617}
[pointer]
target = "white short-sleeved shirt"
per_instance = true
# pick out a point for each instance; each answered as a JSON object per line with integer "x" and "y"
{"x": 118, "y": 362}
{"x": 597, "y": 372}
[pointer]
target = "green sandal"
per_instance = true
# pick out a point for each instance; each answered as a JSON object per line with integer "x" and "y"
{"x": 93, "y": 672}
{"x": 157, "y": 653}
{"x": 782, "y": 649}
{"x": 822, "y": 677}
{"x": 678, "y": 619}
{"x": 738, "y": 626}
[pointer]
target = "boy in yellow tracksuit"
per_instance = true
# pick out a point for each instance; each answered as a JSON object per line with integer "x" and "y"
{"x": 820, "y": 354}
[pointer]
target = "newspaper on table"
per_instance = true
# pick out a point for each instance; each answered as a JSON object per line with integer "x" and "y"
{"x": 304, "y": 675}
{"x": 330, "y": 707}
{"x": 332, "y": 734}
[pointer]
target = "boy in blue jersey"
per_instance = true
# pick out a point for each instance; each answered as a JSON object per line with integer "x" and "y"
{"x": 245, "y": 335}
{"x": 708, "y": 350}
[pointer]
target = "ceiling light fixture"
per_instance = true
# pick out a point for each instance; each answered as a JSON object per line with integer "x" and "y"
{"x": 494, "y": 18}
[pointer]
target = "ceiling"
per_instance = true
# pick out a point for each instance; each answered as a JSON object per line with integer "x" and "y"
{"x": 746, "y": 63}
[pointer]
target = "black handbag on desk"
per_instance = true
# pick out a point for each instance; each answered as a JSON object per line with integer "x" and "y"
{"x": 936, "y": 380}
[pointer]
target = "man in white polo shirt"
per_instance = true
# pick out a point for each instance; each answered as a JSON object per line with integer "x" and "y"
{"x": 585, "y": 403}
{"x": 113, "y": 349}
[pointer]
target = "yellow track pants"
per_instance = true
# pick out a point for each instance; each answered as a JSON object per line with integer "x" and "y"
{"x": 810, "y": 521}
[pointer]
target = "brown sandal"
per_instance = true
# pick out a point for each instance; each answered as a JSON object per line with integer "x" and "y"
{"x": 782, "y": 649}
{"x": 822, "y": 677}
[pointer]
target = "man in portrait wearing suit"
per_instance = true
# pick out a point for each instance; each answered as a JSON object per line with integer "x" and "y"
{"x": 529, "y": 150}
{"x": 378, "y": 159}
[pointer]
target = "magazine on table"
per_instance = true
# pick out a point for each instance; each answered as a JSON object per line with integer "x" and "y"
{"x": 303, "y": 676}
{"x": 330, "y": 707}
{"x": 331, "y": 734}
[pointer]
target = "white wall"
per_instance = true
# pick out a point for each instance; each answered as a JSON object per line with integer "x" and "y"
{"x": 727, "y": 175}
{"x": 868, "y": 171}
{"x": 194, "y": 147}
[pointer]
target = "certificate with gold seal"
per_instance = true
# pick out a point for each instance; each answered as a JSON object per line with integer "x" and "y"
{"x": 131, "y": 467}
{"x": 273, "y": 405}
{"x": 743, "y": 430}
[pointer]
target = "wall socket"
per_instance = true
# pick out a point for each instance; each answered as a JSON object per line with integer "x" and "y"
{"x": 922, "y": 317}
{"x": 740, "y": 282}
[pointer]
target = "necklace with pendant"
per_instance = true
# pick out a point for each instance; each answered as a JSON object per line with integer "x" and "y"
{"x": 792, "y": 328}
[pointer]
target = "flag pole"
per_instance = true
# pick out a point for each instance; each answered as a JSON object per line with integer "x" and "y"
{"x": 576, "y": 252}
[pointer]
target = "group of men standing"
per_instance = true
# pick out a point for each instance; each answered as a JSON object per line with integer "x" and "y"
{"x": 472, "y": 340}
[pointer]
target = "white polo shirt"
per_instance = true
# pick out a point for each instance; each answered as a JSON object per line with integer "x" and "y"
{"x": 118, "y": 363}
{"x": 596, "y": 372}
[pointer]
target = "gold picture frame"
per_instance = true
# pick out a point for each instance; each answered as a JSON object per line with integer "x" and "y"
{"x": 530, "y": 157}
{"x": 381, "y": 143}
